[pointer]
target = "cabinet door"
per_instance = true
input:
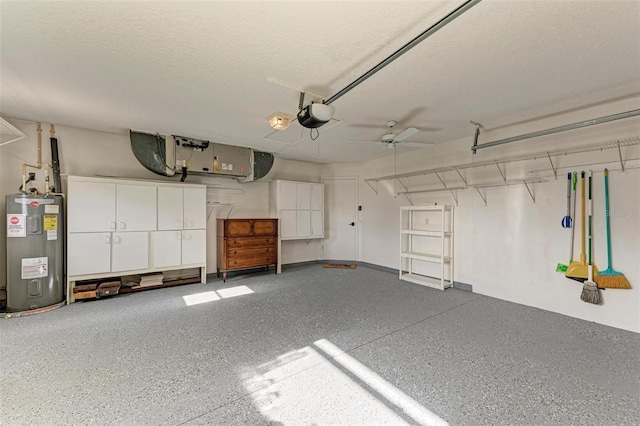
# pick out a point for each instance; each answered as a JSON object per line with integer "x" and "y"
{"x": 317, "y": 196}
{"x": 288, "y": 228}
{"x": 136, "y": 207}
{"x": 88, "y": 253}
{"x": 195, "y": 208}
{"x": 303, "y": 196}
{"x": 167, "y": 248}
{"x": 317, "y": 223}
{"x": 170, "y": 208}
{"x": 303, "y": 223}
{"x": 287, "y": 196}
{"x": 130, "y": 250}
{"x": 91, "y": 207}
{"x": 194, "y": 246}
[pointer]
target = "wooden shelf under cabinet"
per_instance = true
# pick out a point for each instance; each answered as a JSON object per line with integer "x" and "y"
{"x": 246, "y": 244}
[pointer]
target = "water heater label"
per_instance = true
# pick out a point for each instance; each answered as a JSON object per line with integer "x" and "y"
{"x": 51, "y": 209}
{"x": 35, "y": 267}
{"x": 50, "y": 223}
{"x": 16, "y": 225}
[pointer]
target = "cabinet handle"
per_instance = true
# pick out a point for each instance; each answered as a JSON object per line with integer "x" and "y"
{"x": 113, "y": 224}
{"x": 118, "y": 240}
{"x": 179, "y": 235}
{"x": 188, "y": 224}
{"x": 107, "y": 239}
{"x": 123, "y": 225}
{"x": 235, "y": 252}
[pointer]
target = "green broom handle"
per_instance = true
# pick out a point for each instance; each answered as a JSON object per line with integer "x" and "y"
{"x": 606, "y": 215}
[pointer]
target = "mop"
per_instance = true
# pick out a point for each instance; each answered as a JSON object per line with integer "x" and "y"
{"x": 590, "y": 293}
{"x": 569, "y": 219}
{"x": 610, "y": 278}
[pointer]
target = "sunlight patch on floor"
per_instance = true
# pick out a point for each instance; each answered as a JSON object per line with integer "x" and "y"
{"x": 212, "y": 296}
{"x": 321, "y": 384}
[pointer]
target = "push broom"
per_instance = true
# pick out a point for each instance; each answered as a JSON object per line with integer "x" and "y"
{"x": 579, "y": 270}
{"x": 590, "y": 293}
{"x": 610, "y": 278}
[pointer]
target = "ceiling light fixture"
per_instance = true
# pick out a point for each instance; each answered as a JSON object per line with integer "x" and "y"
{"x": 279, "y": 120}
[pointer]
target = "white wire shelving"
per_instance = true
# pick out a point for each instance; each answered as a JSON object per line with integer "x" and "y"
{"x": 499, "y": 163}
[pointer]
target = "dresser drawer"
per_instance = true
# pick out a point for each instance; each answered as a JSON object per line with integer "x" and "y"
{"x": 250, "y": 242}
{"x": 250, "y": 251}
{"x": 251, "y": 261}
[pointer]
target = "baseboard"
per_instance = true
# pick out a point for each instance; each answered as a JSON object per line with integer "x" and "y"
{"x": 456, "y": 284}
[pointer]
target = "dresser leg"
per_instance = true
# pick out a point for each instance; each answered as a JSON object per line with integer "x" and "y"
{"x": 218, "y": 272}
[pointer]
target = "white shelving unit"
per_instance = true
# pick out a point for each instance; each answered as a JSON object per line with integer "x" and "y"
{"x": 426, "y": 245}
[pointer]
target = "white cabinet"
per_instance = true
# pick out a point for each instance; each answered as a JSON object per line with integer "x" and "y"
{"x": 183, "y": 211}
{"x": 195, "y": 212}
{"x": 136, "y": 208}
{"x": 426, "y": 245}
{"x": 129, "y": 251}
{"x": 88, "y": 253}
{"x": 133, "y": 227}
{"x": 92, "y": 206}
{"x": 300, "y": 208}
{"x": 175, "y": 248}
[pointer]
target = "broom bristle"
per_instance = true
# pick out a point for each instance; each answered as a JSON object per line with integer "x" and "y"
{"x": 590, "y": 293}
{"x": 612, "y": 281}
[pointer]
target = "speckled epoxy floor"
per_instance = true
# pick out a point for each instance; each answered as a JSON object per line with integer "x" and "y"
{"x": 314, "y": 346}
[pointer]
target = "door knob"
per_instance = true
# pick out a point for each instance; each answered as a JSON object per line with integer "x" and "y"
{"x": 352, "y": 224}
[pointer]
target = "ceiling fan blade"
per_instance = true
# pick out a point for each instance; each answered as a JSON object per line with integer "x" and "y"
{"x": 407, "y": 133}
{"x": 417, "y": 144}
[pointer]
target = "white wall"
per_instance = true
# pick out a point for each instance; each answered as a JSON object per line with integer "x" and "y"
{"x": 509, "y": 248}
{"x": 88, "y": 153}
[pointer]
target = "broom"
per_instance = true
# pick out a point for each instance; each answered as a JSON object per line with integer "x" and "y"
{"x": 579, "y": 270}
{"x": 590, "y": 293}
{"x": 610, "y": 278}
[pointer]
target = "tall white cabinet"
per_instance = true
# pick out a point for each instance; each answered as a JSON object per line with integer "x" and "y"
{"x": 120, "y": 227}
{"x": 426, "y": 245}
{"x": 300, "y": 208}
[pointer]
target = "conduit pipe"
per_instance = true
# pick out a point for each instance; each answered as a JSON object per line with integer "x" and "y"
{"x": 573, "y": 126}
{"x": 38, "y": 165}
{"x": 404, "y": 49}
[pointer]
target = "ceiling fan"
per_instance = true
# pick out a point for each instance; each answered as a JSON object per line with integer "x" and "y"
{"x": 392, "y": 139}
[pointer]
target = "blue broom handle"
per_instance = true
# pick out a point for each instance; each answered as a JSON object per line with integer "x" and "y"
{"x": 606, "y": 214}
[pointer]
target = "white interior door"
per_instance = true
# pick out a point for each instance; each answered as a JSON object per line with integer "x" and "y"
{"x": 341, "y": 218}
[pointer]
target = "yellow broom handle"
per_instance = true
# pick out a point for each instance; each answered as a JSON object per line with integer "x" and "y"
{"x": 583, "y": 258}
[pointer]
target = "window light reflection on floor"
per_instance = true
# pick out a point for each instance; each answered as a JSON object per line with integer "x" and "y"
{"x": 212, "y": 296}
{"x": 321, "y": 384}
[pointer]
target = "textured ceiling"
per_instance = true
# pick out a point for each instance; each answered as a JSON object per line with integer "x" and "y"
{"x": 202, "y": 69}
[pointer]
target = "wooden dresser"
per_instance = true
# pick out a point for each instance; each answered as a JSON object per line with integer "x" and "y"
{"x": 246, "y": 244}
